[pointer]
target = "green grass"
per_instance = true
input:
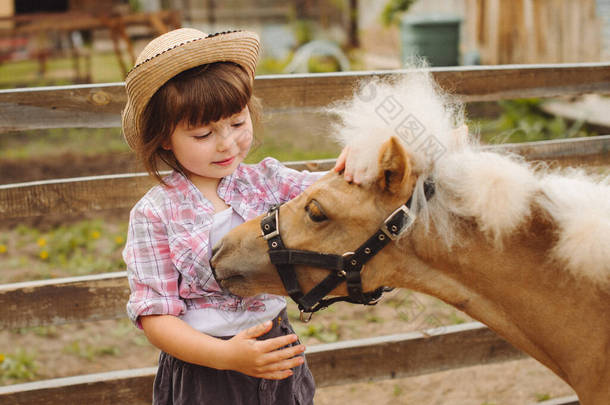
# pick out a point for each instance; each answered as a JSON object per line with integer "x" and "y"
{"x": 59, "y": 71}
{"x": 57, "y": 141}
{"x": 542, "y": 397}
{"x": 90, "y": 351}
{"x": 18, "y": 366}
{"x": 524, "y": 121}
{"x": 84, "y": 247}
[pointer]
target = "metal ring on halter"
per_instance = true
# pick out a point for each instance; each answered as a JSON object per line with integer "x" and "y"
{"x": 304, "y": 319}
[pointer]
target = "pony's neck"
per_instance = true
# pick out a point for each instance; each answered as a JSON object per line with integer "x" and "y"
{"x": 537, "y": 306}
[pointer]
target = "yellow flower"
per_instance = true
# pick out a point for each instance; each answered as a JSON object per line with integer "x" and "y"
{"x": 119, "y": 240}
{"x": 1, "y": 358}
{"x": 2, "y": 248}
{"x": 95, "y": 234}
{"x": 44, "y": 255}
{"x": 41, "y": 242}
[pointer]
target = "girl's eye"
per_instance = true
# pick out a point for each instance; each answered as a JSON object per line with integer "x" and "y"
{"x": 204, "y": 136}
{"x": 239, "y": 124}
{"x": 315, "y": 211}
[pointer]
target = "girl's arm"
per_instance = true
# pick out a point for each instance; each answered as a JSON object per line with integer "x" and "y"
{"x": 243, "y": 353}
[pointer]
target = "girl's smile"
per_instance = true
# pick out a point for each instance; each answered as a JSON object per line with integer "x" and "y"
{"x": 225, "y": 162}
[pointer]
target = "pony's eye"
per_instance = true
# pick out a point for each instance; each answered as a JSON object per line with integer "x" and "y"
{"x": 315, "y": 211}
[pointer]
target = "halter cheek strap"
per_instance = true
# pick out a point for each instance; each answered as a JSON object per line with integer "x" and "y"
{"x": 346, "y": 267}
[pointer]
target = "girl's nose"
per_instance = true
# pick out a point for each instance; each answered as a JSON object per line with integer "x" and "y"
{"x": 225, "y": 139}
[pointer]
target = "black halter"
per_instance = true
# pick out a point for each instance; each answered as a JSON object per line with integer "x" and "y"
{"x": 346, "y": 267}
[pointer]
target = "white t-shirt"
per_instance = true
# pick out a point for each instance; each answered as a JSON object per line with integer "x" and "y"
{"x": 215, "y": 322}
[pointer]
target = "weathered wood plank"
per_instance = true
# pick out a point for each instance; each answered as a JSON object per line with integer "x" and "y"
{"x": 58, "y": 301}
{"x": 409, "y": 354}
{"x": 592, "y": 151}
{"x": 111, "y": 388}
{"x": 83, "y": 194}
{"x": 99, "y": 105}
{"x": 331, "y": 364}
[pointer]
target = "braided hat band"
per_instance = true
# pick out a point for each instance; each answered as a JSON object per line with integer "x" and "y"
{"x": 174, "y": 52}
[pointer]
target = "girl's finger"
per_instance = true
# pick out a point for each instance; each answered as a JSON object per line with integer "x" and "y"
{"x": 292, "y": 354}
{"x": 276, "y": 375}
{"x": 273, "y": 344}
{"x": 256, "y": 330}
{"x": 340, "y": 164}
{"x": 283, "y": 365}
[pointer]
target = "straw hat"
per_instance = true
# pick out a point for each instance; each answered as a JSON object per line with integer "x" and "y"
{"x": 174, "y": 52}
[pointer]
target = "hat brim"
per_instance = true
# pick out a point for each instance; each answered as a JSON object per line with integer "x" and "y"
{"x": 145, "y": 79}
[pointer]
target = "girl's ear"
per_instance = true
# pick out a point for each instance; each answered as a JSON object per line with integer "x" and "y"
{"x": 167, "y": 144}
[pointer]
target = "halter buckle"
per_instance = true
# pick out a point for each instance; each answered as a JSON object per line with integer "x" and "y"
{"x": 409, "y": 218}
{"x": 276, "y": 232}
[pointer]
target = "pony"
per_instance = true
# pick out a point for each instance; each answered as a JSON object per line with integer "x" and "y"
{"x": 521, "y": 247}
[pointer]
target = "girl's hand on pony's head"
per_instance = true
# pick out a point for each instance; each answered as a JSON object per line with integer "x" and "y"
{"x": 345, "y": 163}
{"x": 351, "y": 173}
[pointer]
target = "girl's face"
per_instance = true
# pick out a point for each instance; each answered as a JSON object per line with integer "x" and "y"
{"x": 214, "y": 150}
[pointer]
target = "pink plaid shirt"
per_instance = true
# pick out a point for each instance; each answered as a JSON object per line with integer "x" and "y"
{"x": 167, "y": 251}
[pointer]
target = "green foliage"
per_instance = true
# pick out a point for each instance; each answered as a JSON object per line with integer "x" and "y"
{"x": 372, "y": 318}
{"x": 322, "y": 64}
{"x": 322, "y": 333}
{"x": 393, "y": 9}
{"x": 542, "y": 397}
{"x": 282, "y": 149}
{"x": 90, "y": 351}
{"x": 135, "y": 5}
{"x": 57, "y": 141}
{"x": 43, "y": 331}
{"x": 524, "y": 121}
{"x": 17, "y": 367}
{"x": 59, "y": 71}
{"x": 269, "y": 66}
{"x": 455, "y": 319}
{"x": 303, "y": 31}
{"x": 85, "y": 247}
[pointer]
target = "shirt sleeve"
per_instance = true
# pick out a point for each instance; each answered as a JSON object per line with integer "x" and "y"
{"x": 153, "y": 280}
{"x": 288, "y": 183}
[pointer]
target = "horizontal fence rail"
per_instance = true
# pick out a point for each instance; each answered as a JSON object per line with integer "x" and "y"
{"x": 369, "y": 359}
{"x": 59, "y": 301}
{"x": 99, "y": 105}
{"x": 83, "y": 194}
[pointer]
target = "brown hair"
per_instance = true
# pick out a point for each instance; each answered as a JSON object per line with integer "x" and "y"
{"x": 197, "y": 96}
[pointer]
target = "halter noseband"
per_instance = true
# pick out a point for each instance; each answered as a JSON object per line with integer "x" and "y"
{"x": 346, "y": 267}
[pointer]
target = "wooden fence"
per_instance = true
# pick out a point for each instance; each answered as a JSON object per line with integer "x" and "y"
{"x": 103, "y": 296}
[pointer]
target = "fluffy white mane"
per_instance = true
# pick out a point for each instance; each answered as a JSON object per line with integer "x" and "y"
{"x": 497, "y": 191}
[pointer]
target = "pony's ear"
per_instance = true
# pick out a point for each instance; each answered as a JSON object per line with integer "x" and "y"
{"x": 394, "y": 166}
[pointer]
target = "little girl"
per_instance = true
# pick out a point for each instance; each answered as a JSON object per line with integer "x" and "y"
{"x": 189, "y": 105}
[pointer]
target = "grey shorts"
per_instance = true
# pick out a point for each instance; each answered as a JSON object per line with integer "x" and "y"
{"x": 181, "y": 383}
